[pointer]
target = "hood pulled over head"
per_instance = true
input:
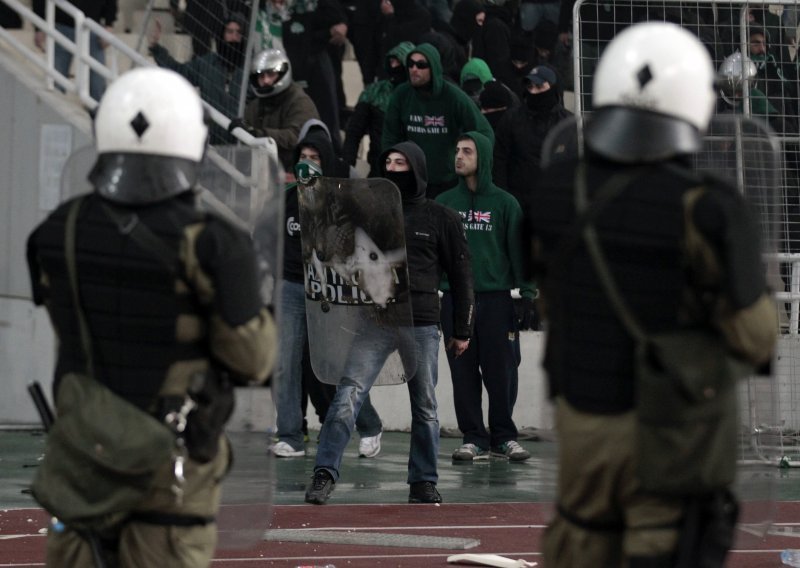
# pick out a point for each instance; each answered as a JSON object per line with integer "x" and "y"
{"x": 412, "y": 184}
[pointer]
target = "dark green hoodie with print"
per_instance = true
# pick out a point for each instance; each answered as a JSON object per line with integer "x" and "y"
{"x": 492, "y": 219}
{"x": 433, "y": 117}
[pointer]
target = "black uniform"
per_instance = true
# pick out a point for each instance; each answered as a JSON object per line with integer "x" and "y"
{"x": 135, "y": 306}
{"x": 160, "y": 319}
{"x": 435, "y": 240}
{"x": 684, "y": 252}
{"x": 589, "y": 353}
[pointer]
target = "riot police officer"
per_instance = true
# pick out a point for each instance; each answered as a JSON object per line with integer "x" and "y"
{"x": 170, "y": 297}
{"x": 684, "y": 253}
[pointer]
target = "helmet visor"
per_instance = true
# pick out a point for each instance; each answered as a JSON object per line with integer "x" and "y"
{"x": 142, "y": 178}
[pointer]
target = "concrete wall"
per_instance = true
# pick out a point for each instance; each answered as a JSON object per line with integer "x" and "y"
{"x": 256, "y": 412}
{"x": 38, "y": 129}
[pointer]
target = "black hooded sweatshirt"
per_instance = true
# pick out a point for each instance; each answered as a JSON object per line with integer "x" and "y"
{"x": 292, "y": 247}
{"x": 435, "y": 243}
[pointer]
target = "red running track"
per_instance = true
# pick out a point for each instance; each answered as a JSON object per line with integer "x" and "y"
{"x": 509, "y": 529}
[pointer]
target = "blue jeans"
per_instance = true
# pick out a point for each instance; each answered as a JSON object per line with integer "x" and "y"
{"x": 289, "y": 376}
{"x": 367, "y": 357}
{"x": 62, "y": 60}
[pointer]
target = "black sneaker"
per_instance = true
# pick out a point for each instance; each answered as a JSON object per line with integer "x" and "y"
{"x": 320, "y": 487}
{"x": 424, "y": 492}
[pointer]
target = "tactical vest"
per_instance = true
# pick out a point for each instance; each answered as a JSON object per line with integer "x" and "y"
{"x": 589, "y": 355}
{"x": 145, "y": 321}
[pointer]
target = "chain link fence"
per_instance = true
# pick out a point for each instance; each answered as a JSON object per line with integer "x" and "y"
{"x": 753, "y": 47}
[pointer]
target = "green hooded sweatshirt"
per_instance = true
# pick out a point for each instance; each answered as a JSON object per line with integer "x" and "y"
{"x": 433, "y": 118}
{"x": 377, "y": 94}
{"x": 492, "y": 219}
{"x": 476, "y": 67}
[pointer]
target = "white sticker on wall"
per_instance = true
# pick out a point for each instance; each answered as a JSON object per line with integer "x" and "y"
{"x": 56, "y": 146}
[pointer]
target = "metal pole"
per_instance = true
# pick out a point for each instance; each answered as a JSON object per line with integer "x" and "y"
{"x": 248, "y": 58}
{"x": 145, "y": 24}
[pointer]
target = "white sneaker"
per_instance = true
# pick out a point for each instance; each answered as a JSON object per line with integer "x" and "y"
{"x": 284, "y": 450}
{"x": 511, "y": 450}
{"x": 370, "y": 446}
{"x": 470, "y": 452}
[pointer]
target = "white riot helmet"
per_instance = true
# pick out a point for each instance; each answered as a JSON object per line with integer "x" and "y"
{"x": 276, "y": 61}
{"x": 653, "y": 95}
{"x": 150, "y": 133}
{"x": 733, "y": 72}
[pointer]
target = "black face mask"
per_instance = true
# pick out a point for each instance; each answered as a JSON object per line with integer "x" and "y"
{"x": 232, "y": 53}
{"x": 397, "y": 75}
{"x": 494, "y": 118}
{"x": 406, "y": 182}
{"x": 524, "y": 70}
{"x": 472, "y": 87}
{"x": 465, "y": 29}
{"x": 541, "y": 102}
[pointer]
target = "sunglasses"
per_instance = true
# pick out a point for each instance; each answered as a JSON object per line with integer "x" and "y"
{"x": 418, "y": 63}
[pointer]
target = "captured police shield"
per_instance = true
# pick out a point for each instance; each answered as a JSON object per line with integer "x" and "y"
{"x": 242, "y": 185}
{"x": 745, "y": 153}
{"x": 356, "y": 276}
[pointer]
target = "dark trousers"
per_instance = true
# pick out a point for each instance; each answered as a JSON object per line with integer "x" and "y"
{"x": 321, "y": 88}
{"x": 491, "y": 361}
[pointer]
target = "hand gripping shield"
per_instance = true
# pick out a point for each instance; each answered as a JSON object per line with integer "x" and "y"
{"x": 358, "y": 305}
{"x": 243, "y": 186}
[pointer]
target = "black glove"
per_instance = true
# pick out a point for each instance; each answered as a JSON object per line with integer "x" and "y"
{"x": 237, "y": 123}
{"x": 527, "y": 318}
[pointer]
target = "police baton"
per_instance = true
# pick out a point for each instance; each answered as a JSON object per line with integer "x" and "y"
{"x": 41, "y": 404}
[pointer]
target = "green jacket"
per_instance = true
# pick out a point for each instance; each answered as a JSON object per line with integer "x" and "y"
{"x": 433, "y": 119}
{"x": 493, "y": 222}
{"x": 378, "y": 93}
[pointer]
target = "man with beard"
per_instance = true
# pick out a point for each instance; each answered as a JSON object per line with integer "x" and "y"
{"x": 432, "y": 113}
{"x": 367, "y": 118}
{"x": 492, "y": 220}
{"x": 521, "y": 134}
{"x": 280, "y": 107}
{"x": 203, "y": 20}
{"x": 218, "y": 75}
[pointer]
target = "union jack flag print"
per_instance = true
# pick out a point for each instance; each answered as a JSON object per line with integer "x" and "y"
{"x": 433, "y": 120}
{"x": 481, "y": 216}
